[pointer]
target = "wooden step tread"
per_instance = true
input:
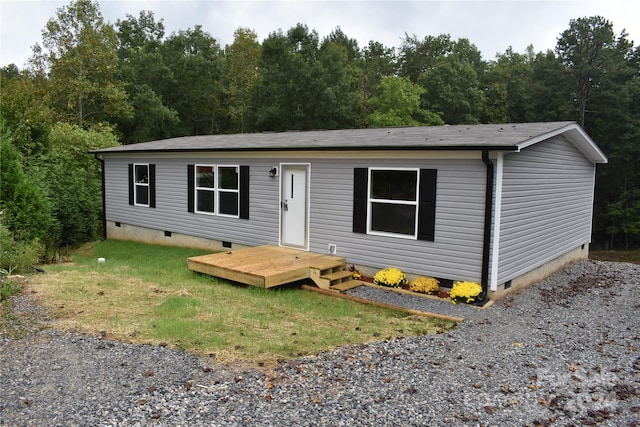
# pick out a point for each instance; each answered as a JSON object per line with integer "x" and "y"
{"x": 326, "y": 263}
{"x": 337, "y": 275}
{"x": 345, "y": 286}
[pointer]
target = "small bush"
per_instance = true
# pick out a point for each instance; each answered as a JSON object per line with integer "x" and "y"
{"x": 18, "y": 256}
{"x": 425, "y": 285}
{"x": 465, "y": 292}
{"x": 24, "y": 203}
{"x": 391, "y": 277}
{"x": 8, "y": 289}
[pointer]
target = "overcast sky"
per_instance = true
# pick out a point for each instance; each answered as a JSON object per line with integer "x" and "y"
{"x": 492, "y": 26}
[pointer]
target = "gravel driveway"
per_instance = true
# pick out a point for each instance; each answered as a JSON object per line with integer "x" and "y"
{"x": 563, "y": 352}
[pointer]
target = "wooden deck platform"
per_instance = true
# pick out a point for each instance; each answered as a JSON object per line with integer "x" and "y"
{"x": 269, "y": 266}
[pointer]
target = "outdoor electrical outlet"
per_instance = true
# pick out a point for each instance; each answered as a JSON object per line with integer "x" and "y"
{"x": 333, "y": 248}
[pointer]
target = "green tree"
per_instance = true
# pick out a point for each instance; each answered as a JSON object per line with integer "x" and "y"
{"x": 583, "y": 48}
{"x": 338, "y": 37}
{"x": 243, "y": 57}
{"x": 143, "y": 69}
{"x": 453, "y": 90}
{"x": 624, "y": 217}
{"x": 25, "y": 209}
{"x": 195, "y": 92}
{"x": 550, "y": 90}
{"x": 78, "y": 57}
{"x": 605, "y": 75}
{"x": 337, "y": 77}
{"x": 416, "y": 57}
{"x": 74, "y": 176}
{"x": 287, "y": 91}
{"x": 450, "y": 73}
{"x": 399, "y": 105}
{"x": 378, "y": 61}
{"x": 308, "y": 84}
{"x": 507, "y": 87}
{"x": 24, "y": 112}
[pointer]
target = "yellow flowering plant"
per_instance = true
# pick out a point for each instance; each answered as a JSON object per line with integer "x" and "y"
{"x": 466, "y": 292}
{"x": 355, "y": 273}
{"x": 391, "y": 277}
{"x": 425, "y": 285}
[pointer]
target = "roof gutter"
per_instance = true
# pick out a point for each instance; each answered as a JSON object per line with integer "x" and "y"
{"x": 104, "y": 199}
{"x": 488, "y": 221}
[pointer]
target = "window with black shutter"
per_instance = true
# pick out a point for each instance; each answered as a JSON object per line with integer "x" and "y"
{"x": 142, "y": 184}
{"x": 395, "y": 201}
{"x": 221, "y": 190}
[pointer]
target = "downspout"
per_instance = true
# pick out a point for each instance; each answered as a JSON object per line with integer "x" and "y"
{"x": 104, "y": 199}
{"x": 488, "y": 221}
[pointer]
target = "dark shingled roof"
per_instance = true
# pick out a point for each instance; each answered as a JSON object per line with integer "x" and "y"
{"x": 459, "y": 137}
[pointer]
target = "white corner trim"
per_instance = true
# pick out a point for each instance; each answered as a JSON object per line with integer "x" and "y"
{"x": 497, "y": 214}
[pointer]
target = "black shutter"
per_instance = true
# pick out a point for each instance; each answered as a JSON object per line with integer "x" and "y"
{"x": 131, "y": 191}
{"x": 191, "y": 177}
{"x": 152, "y": 186}
{"x": 244, "y": 192}
{"x": 427, "y": 205}
{"x": 360, "y": 183}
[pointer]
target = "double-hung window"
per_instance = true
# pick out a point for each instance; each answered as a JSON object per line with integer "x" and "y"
{"x": 141, "y": 184}
{"x": 393, "y": 201}
{"x": 397, "y": 202}
{"x": 205, "y": 189}
{"x": 142, "y": 189}
{"x": 216, "y": 190}
{"x": 228, "y": 186}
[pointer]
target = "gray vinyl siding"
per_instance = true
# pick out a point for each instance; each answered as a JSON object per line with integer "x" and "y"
{"x": 455, "y": 254}
{"x": 171, "y": 213}
{"x": 547, "y": 199}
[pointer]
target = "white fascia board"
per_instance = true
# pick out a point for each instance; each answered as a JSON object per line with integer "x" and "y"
{"x": 578, "y": 137}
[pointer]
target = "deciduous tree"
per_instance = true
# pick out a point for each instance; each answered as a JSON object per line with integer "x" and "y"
{"x": 399, "y": 105}
{"x": 143, "y": 69}
{"x": 243, "y": 58}
{"x": 24, "y": 112}
{"x": 195, "y": 61}
{"x": 78, "y": 59}
{"x": 74, "y": 177}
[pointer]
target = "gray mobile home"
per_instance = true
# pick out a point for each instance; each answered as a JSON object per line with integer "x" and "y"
{"x": 502, "y": 205}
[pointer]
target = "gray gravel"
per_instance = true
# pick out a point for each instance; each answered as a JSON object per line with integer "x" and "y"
{"x": 563, "y": 352}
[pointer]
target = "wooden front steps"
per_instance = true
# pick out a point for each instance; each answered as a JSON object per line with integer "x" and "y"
{"x": 269, "y": 266}
{"x": 335, "y": 279}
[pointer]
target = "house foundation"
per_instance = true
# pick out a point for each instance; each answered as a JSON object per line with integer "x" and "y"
{"x": 539, "y": 273}
{"x": 121, "y": 231}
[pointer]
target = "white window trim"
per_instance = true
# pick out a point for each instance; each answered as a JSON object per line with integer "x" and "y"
{"x": 197, "y": 188}
{"x": 230, "y": 190}
{"x": 415, "y": 203}
{"x": 216, "y": 190}
{"x": 141, "y": 184}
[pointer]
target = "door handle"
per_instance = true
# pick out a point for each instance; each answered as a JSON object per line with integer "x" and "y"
{"x": 285, "y": 205}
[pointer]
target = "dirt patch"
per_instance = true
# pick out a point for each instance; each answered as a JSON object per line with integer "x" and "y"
{"x": 600, "y": 278}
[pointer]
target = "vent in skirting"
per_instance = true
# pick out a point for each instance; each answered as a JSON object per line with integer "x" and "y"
{"x": 167, "y": 234}
{"x": 226, "y": 245}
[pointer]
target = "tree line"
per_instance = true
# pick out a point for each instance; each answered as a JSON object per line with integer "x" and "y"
{"x": 91, "y": 84}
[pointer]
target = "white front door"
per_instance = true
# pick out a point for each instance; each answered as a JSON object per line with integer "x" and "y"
{"x": 294, "y": 204}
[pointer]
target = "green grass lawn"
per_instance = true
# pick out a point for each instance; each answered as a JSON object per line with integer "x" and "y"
{"x": 145, "y": 294}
